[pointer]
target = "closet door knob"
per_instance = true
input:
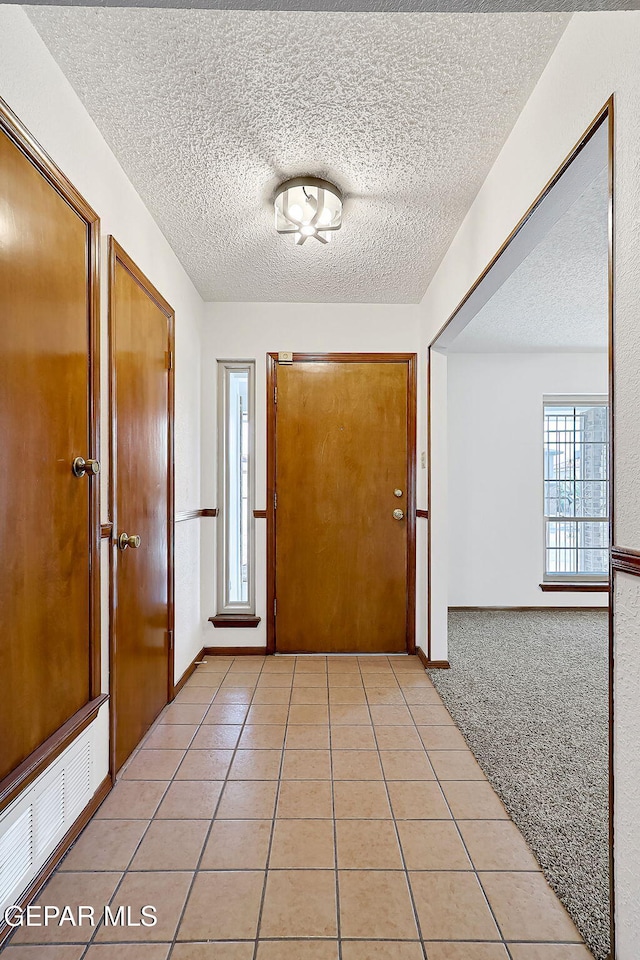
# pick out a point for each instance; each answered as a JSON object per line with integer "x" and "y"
{"x": 82, "y": 467}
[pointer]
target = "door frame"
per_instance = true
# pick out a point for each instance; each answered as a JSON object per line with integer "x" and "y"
{"x": 411, "y": 359}
{"x": 117, "y": 254}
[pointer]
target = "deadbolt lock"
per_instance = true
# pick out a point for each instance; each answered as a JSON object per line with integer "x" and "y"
{"x": 124, "y": 541}
{"x": 397, "y": 492}
{"x": 398, "y": 515}
{"x": 82, "y": 467}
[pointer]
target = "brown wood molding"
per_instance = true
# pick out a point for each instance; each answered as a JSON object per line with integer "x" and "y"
{"x": 177, "y": 687}
{"x": 431, "y": 664}
{"x": 626, "y": 560}
{"x": 15, "y": 782}
{"x": 260, "y": 514}
{"x": 54, "y": 859}
{"x": 106, "y": 529}
{"x": 234, "y": 620}
{"x": 235, "y": 651}
{"x": 574, "y": 587}
{"x": 547, "y": 607}
{"x": 195, "y": 514}
{"x": 422, "y": 514}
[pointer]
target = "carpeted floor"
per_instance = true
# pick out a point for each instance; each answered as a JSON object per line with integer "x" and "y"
{"x": 529, "y": 691}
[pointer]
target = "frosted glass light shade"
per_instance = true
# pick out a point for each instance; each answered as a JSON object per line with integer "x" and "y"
{"x": 308, "y": 207}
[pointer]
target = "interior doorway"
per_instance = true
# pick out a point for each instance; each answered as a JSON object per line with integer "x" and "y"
{"x": 521, "y": 404}
{"x": 341, "y": 493}
{"x": 141, "y": 494}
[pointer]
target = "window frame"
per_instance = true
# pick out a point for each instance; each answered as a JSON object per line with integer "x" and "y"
{"x": 575, "y": 400}
{"x": 224, "y": 605}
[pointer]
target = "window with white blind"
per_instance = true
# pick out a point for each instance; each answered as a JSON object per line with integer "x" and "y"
{"x": 576, "y": 489}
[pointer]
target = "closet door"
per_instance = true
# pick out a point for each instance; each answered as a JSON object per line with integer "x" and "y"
{"x": 48, "y": 512}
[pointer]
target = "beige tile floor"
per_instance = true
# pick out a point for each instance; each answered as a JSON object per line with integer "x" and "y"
{"x": 318, "y": 808}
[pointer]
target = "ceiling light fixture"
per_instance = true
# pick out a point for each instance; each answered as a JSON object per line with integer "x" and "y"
{"x": 308, "y": 207}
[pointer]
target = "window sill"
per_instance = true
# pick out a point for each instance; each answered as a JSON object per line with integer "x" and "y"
{"x": 234, "y": 620}
{"x": 581, "y": 587}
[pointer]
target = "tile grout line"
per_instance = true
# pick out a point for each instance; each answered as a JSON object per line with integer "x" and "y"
{"x": 126, "y": 871}
{"x": 217, "y": 806}
{"x": 196, "y": 869}
{"x": 273, "y": 820}
{"x": 395, "y": 825}
{"x": 473, "y": 866}
{"x": 333, "y": 812}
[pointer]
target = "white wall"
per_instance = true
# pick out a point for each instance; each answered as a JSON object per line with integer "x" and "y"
{"x": 496, "y": 535}
{"x": 35, "y": 88}
{"x": 596, "y": 56}
{"x": 248, "y": 331}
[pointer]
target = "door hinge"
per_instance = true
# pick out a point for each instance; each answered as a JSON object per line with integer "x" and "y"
{"x": 275, "y": 394}
{"x": 170, "y": 636}
{"x": 274, "y": 606}
{"x": 169, "y": 359}
{"x": 275, "y": 501}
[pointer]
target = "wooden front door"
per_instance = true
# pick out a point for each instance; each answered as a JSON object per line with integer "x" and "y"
{"x": 141, "y": 331}
{"x": 342, "y": 442}
{"x": 49, "y": 646}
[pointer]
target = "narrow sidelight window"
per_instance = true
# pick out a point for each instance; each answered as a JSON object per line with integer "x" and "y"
{"x": 236, "y": 433}
{"x": 576, "y": 488}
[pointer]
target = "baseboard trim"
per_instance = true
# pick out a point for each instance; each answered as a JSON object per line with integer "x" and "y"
{"x": 54, "y": 859}
{"x": 235, "y": 651}
{"x": 549, "y": 606}
{"x": 431, "y": 664}
{"x": 177, "y": 687}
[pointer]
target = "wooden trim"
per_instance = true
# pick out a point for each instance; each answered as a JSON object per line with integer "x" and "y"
{"x": 272, "y": 374}
{"x": 625, "y": 560}
{"x": 106, "y": 529}
{"x": 34, "y": 152}
{"x": 54, "y": 859}
{"x": 610, "y": 115}
{"x": 177, "y": 687}
{"x": 429, "y": 429}
{"x": 234, "y": 620}
{"x": 260, "y": 514}
{"x": 15, "y": 782}
{"x": 431, "y": 664}
{"x": 195, "y": 514}
{"x": 116, "y": 254}
{"x": 422, "y": 514}
{"x": 411, "y": 359}
{"x": 571, "y": 156}
{"x": 235, "y": 651}
{"x": 547, "y": 608}
{"x": 583, "y": 587}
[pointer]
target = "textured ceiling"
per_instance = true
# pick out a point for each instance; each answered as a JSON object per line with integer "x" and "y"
{"x": 372, "y": 6}
{"x": 557, "y": 299}
{"x": 208, "y": 111}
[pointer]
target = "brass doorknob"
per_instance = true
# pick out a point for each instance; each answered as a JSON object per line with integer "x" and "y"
{"x": 82, "y": 467}
{"x": 398, "y": 515}
{"x": 124, "y": 541}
